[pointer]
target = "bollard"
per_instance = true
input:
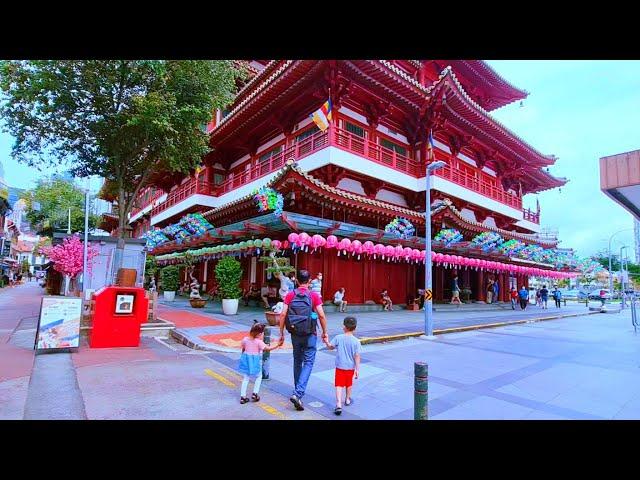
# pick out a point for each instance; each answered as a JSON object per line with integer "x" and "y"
{"x": 266, "y": 355}
{"x": 421, "y": 391}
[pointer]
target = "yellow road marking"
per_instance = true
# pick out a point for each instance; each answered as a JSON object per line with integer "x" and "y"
{"x": 273, "y": 411}
{"x": 220, "y": 378}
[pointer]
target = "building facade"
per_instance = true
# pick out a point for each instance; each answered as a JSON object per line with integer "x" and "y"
{"x": 366, "y": 169}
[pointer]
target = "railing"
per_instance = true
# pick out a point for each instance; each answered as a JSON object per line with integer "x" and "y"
{"x": 352, "y": 143}
{"x": 529, "y": 215}
{"x": 477, "y": 185}
{"x": 156, "y": 195}
{"x": 184, "y": 191}
{"x": 366, "y": 148}
{"x": 242, "y": 175}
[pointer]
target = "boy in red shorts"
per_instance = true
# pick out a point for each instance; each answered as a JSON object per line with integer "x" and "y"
{"x": 347, "y": 361}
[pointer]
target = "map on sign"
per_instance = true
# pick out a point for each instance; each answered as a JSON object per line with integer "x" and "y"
{"x": 59, "y": 323}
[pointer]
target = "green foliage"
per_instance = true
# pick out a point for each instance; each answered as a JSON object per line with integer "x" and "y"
{"x": 277, "y": 265}
{"x": 25, "y": 266}
{"x": 228, "y": 276}
{"x": 150, "y": 268}
{"x": 170, "y": 278}
{"x": 118, "y": 119}
{"x": 55, "y": 197}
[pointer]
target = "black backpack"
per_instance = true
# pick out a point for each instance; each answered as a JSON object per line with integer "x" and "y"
{"x": 299, "y": 321}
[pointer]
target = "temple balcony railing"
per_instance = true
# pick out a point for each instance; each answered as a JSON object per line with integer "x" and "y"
{"x": 142, "y": 204}
{"x": 531, "y": 216}
{"x": 344, "y": 140}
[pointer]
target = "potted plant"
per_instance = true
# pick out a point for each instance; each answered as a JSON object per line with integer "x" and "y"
{"x": 169, "y": 278}
{"x": 228, "y": 276}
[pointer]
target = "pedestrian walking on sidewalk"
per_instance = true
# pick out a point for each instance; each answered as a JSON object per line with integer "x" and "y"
{"x": 544, "y": 296}
{"x": 557, "y": 296}
{"x": 455, "y": 290}
{"x": 348, "y": 352}
{"x": 490, "y": 291}
{"x": 514, "y": 298}
{"x": 251, "y": 361}
{"x": 302, "y": 309}
{"x": 524, "y": 297}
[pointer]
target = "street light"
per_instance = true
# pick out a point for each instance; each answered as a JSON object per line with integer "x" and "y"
{"x": 428, "y": 305}
{"x": 611, "y": 238}
{"x": 621, "y": 275}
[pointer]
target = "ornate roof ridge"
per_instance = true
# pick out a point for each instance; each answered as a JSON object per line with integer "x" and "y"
{"x": 500, "y": 78}
{"x": 447, "y": 203}
{"x": 291, "y": 165}
{"x": 448, "y": 71}
{"x": 255, "y": 92}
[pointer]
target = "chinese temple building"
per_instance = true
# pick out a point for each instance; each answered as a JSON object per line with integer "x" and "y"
{"x": 352, "y": 179}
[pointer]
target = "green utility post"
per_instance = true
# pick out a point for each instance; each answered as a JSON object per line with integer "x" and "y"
{"x": 421, "y": 391}
{"x": 265, "y": 354}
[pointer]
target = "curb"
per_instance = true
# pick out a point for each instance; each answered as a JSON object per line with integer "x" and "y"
{"x": 403, "y": 336}
{"x": 184, "y": 340}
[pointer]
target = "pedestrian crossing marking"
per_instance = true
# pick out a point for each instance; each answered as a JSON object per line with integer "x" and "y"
{"x": 220, "y": 378}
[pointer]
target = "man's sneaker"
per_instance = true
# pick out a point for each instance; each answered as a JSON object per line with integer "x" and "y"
{"x": 296, "y": 402}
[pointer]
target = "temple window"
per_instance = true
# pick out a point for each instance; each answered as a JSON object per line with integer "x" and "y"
{"x": 393, "y": 146}
{"x": 355, "y": 129}
{"x": 269, "y": 154}
{"x": 307, "y": 133}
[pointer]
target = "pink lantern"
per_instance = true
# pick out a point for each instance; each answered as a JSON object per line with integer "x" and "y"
{"x": 398, "y": 250}
{"x": 317, "y": 241}
{"x": 378, "y": 250}
{"x": 389, "y": 251}
{"x": 332, "y": 241}
{"x": 368, "y": 247}
{"x": 407, "y": 253}
{"x": 423, "y": 256}
{"x": 415, "y": 255}
{"x": 344, "y": 245}
{"x": 304, "y": 240}
{"x": 294, "y": 238}
{"x": 277, "y": 244}
{"x": 356, "y": 248}
{"x": 439, "y": 257}
{"x": 446, "y": 258}
{"x": 285, "y": 244}
{"x": 433, "y": 255}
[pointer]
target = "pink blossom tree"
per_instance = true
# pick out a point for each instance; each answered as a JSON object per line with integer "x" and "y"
{"x": 67, "y": 258}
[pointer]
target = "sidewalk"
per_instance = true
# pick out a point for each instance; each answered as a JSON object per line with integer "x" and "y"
{"x": 158, "y": 380}
{"x": 209, "y": 329}
{"x": 19, "y": 309}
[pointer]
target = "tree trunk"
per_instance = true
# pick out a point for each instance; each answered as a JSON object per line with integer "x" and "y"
{"x": 122, "y": 221}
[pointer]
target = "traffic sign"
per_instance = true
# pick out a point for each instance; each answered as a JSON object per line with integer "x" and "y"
{"x": 428, "y": 295}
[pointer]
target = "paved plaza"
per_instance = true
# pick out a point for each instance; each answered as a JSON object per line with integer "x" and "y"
{"x": 585, "y": 367}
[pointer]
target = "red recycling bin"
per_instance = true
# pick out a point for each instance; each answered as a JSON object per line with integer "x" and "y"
{"x": 119, "y": 313}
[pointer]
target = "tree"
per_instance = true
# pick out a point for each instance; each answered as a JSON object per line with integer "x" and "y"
{"x": 49, "y": 203}
{"x": 120, "y": 119}
{"x": 68, "y": 258}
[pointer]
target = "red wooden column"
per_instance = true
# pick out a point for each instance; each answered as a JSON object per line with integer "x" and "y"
{"x": 481, "y": 296}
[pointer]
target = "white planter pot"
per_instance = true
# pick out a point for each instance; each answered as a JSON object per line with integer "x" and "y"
{"x": 230, "y": 306}
{"x": 169, "y": 296}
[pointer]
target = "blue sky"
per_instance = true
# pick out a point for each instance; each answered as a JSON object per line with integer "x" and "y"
{"x": 577, "y": 110}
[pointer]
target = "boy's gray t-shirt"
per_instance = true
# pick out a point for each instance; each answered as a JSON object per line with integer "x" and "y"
{"x": 347, "y": 347}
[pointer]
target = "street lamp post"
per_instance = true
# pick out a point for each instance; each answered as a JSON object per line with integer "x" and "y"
{"x": 428, "y": 303}
{"x": 86, "y": 240}
{"x": 611, "y": 238}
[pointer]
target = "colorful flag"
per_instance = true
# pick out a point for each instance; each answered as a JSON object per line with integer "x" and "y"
{"x": 430, "y": 145}
{"x": 322, "y": 116}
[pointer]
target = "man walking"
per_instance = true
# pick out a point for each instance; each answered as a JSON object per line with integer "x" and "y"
{"x": 302, "y": 308}
{"x": 544, "y": 296}
{"x": 524, "y": 297}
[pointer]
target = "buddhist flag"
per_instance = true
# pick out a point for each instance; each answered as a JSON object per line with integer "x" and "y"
{"x": 430, "y": 146}
{"x": 322, "y": 116}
